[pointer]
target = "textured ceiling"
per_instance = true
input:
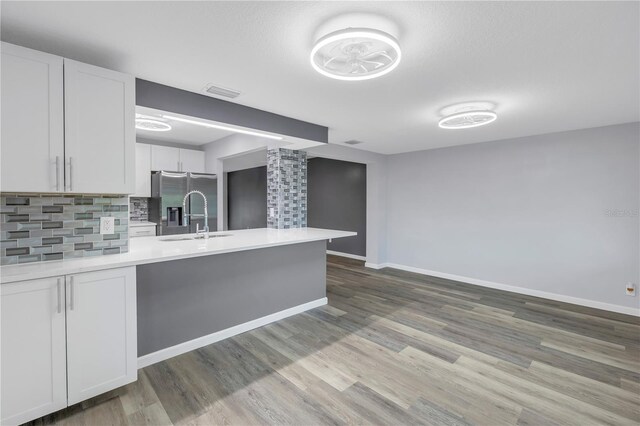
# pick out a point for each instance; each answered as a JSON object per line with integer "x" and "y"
{"x": 548, "y": 66}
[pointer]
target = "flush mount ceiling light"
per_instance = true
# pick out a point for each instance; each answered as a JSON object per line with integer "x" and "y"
{"x": 151, "y": 124}
{"x": 467, "y": 120}
{"x": 217, "y": 126}
{"x": 355, "y": 54}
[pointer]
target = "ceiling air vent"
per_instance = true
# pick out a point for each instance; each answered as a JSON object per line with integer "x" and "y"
{"x": 353, "y": 142}
{"x": 214, "y": 90}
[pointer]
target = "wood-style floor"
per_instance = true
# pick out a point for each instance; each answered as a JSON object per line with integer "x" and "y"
{"x": 397, "y": 348}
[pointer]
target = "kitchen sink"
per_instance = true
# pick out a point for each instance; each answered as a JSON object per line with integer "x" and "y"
{"x": 192, "y": 237}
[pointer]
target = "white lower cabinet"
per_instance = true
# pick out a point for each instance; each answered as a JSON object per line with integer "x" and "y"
{"x": 34, "y": 364}
{"x": 142, "y": 231}
{"x": 101, "y": 332}
{"x": 66, "y": 339}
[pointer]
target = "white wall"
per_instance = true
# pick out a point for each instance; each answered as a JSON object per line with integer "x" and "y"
{"x": 376, "y": 193}
{"x": 234, "y": 144}
{"x": 531, "y": 212}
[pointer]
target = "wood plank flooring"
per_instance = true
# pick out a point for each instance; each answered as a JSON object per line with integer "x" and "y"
{"x": 397, "y": 348}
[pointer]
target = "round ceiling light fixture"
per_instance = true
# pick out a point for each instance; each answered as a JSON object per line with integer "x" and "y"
{"x": 152, "y": 125}
{"x": 356, "y": 54}
{"x": 467, "y": 120}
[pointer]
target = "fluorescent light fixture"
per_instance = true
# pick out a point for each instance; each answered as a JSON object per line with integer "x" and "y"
{"x": 218, "y": 126}
{"x": 355, "y": 54}
{"x": 152, "y": 125}
{"x": 467, "y": 120}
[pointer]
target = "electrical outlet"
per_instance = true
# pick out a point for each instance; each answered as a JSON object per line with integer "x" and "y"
{"x": 107, "y": 225}
{"x": 631, "y": 289}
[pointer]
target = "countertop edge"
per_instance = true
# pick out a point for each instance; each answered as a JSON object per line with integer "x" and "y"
{"x": 75, "y": 266}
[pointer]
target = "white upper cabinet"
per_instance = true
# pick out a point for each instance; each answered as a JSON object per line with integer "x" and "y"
{"x": 192, "y": 161}
{"x": 165, "y": 158}
{"x": 32, "y": 135}
{"x": 34, "y": 364}
{"x": 66, "y": 126}
{"x": 99, "y": 129}
{"x": 177, "y": 159}
{"x": 143, "y": 170}
{"x": 101, "y": 332}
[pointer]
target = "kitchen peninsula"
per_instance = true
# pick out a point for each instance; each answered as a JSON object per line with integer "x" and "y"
{"x": 202, "y": 290}
{"x": 166, "y": 296}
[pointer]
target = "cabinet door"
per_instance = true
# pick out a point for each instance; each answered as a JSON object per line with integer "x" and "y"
{"x": 192, "y": 161}
{"x": 165, "y": 158}
{"x": 101, "y": 332}
{"x": 32, "y": 132}
{"x": 99, "y": 129}
{"x": 33, "y": 350}
{"x": 143, "y": 170}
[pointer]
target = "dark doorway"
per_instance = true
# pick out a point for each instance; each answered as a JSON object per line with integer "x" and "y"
{"x": 247, "y": 198}
{"x": 337, "y": 193}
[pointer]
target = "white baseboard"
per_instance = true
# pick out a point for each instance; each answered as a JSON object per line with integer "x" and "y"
{"x": 514, "y": 289}
{"x": 181, "y": 348}
{"x": 350, "y": 256}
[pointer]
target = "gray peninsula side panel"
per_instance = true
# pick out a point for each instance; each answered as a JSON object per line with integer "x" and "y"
{"x": 185, "y": 299}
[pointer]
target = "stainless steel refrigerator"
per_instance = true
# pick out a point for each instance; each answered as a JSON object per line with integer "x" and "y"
{"x": 167, "y": 192}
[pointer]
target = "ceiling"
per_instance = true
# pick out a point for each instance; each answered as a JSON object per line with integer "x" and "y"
{"x": 182, "y": 133}
{"x": 246, "y": 160}
{"x": 548, "y": 66}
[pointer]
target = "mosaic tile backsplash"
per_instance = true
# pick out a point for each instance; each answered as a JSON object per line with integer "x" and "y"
{"x": 138, "y": 209}
{"x": 286, "y": 188}
{"x": 37, "y": 228}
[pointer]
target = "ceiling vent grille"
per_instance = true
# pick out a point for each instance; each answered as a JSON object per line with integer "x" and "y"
{"x": 353, "y": 142}
{"x": 214, "y": 90}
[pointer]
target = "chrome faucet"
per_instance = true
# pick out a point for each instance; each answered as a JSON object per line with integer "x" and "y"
{"x": 204, "y": 233}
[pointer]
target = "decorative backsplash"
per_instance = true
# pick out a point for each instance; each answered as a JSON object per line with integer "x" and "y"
{"x": 36, "y": 228}
{"x": 138, "y": 209}
{"x": 286, "y": 188}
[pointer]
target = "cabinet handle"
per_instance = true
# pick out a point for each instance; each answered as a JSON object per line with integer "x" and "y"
{"x": 71, "y": 293}
{"x": 59, "y": 297}
{"x": 71, "y": 174}
{"x": 57, "y": 173}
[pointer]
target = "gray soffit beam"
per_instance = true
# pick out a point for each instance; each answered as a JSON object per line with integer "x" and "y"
{"x": 167, "y": 98}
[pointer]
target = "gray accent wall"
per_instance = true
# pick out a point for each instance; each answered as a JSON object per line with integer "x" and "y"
{"x": 338, "y": 200}
{"x": 185, "y": 299}
{"x": 376, "y": 194}
{"x": 247, "y": 198}
{"x": 167, "y": 98}
{"x": 556, "y": 213}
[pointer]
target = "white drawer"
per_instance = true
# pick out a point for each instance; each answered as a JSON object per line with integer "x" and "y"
{"x": 142, "y": 231}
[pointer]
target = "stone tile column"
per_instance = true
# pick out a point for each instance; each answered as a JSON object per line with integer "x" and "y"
{"x": 286, "y": 188}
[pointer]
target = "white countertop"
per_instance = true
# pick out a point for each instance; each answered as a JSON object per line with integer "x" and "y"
{"x": 135, "y": 223}
{"x": 151, "y": 250}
